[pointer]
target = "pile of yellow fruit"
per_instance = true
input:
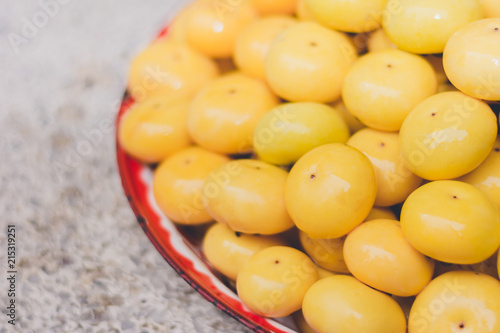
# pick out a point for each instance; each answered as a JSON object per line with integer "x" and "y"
{"x": 346, "y": 150}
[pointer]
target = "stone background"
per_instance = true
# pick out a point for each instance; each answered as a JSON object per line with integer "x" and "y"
{"x": 84, "y": 264}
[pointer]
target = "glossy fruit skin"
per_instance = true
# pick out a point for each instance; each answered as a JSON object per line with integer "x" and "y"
{"x": 342, "y": 304}
{"x": 381, "y": 88}
{"x": 178, "y": 183}
{"x": 169, "y": 69}
{"x": 274, "y": 280}
{"x": 326, "y": 253}
{"x": 377, "y": 253}
{"x": 451, "y": 221}
{"x": 471, "y": 59}
{"x": 253, "y": 43}
{"x": 154, "y": 129}
{"x": 394, "y": 181}
{"x": 424, "y": 26}
{"x": 307, "y": 63}
{"x": 447, "y": 135}
{"x": 228, "y": 251}
{"x": 212, "y": 27}
{"x": 381, "y": 213}
{"x": 330, "y": 190}
{"x": 290, "y": 130}
{"x": 223, "y": 115}
{"x": 455, "y": 302}
{"x": 486, "y": 177}
{"x": 248, "y": 196}
{"x": 266, "y": 7}
{"x": 348, "y": 16}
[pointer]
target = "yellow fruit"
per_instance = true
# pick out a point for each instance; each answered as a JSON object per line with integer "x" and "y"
{"x": 424, "y": 26}
{"x": 447, "y": 135}
{"x": 326, "y": 253}
{"x": 352, "y": 122}
{"x": 169, "y": 69}
{"x": 451, "y": 221}
{"x": 290, "y": 130}
{"x": 394, "y": 181}
{"x": 377, "y": 253}
{"x": 213, "y": 26}
{"x": 471, "y": 59}
{"x": 381, "y": 213}
{"x": 342, "y": 304}
{"x": 228, "y": 251}
{"x": 382, "y": 88}
{"x": 486, "y": 177}
{"x": 154, "y": 129}
{"x": 307, "y": 63}
{"x": 349, "y": 16}
{"x": 303, "y": 13}
{"x": 266, "y": 7}
{"x": 248, "y": 196}
{"x": 455, "y": 302}
{"x": 379, "y": 41}
{"x": 178, "y": 184}
{"x": 491, "y": 8}
{"x": 436, "y": 62}
{"x": 300, "y": 321}
{"x": 274, "y": 280}
{"x": 488, "y": 266}
{"x": 253, "y": 43}
{"x": 330, "y": 190}
{"x": 223, "y": 115}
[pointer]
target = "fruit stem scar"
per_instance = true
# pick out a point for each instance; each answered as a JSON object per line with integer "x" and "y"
{"x": 276, "y": 261}
{"x": 461, "y": 324}
{"x": 313, "y": 176}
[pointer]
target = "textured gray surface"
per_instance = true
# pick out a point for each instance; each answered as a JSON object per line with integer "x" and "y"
{"x": 84, "y": 264}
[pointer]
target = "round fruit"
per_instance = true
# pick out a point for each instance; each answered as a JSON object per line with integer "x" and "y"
{"x": 471, "y": 59}
{"x": 253, "y": 43}
{"x": 349, "y": 16}
{"x": 424, "y": 26}
{"x": 178, "y": 184}
{"x": 394, "y": 181}
{"x": 342, "y": 304}
{"x": 274, "y": 280}
{"x": 381, "y": 88}
{"x": 330, "y": 190}
{"x": 486, "y": 177}
{"x": 377, "y": 253}
{"x": 457, "y": 301}
{"x": 290, "y": 130}
{"x": 308, "y": 63}
{"x": 154, "y": 129}
{"x": 228, "y": 251}
{"x": 447, "y": 135}
{"x": 248, "y": 196}
{"x": 326, "y": 253}
{"x": 451, "y": 221}
{"x": 169, "y": 69}
{"x": 223, "y": 115}
{"x": 213, "y": 26}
